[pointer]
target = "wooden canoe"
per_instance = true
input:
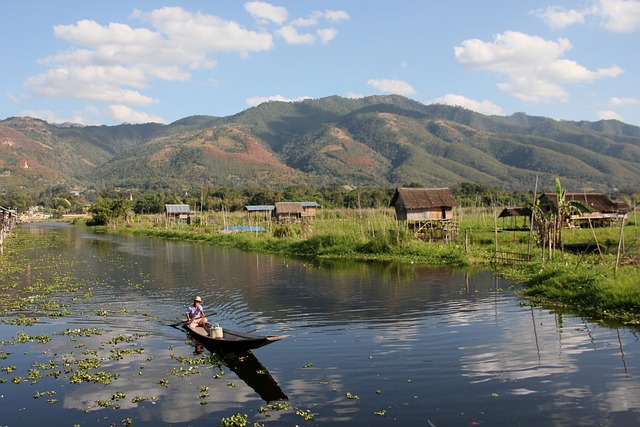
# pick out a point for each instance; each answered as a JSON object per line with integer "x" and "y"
{"x": 232, "y": 340}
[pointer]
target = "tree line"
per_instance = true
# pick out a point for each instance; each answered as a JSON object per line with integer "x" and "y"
{"x": 59, "y": 200}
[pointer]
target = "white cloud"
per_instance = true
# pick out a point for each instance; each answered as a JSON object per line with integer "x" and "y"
{"x": 263, "y": 12}
{"x": 484, "y": 107}
{"x": 620, "y": 16}
{"x": 90, "y": 83}
{"x": 92, "y": 115}
{"x": 53, "y": 117}
{"x": 335, "y": 15}
{"x": 392, "y": 86}
{"x": 609, "y": 115}
{"x": 115, "y": 63}
{"x": 534, "y": 67}
{"x": 327, "y": 34}
{"x": 196, "y": 32}
{"x": 125, "y": 114}
{"x": 622, "y": 102}
{"x": 559, "y": 17}
{"x": 310, "y": 21}
{"x": 257, "y": 100}
{"x": 291, "y": 35}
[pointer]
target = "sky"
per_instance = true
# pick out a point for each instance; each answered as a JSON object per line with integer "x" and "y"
{"x": 139, "y": 61}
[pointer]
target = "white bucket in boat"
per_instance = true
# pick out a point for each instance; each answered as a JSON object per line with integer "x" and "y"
{"x": 216, "y": 331}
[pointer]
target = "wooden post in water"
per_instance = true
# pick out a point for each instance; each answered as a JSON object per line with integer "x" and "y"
{"x": 495, "y": 230}
{"x": 533, "y": 205}
{"x": 620, "y": 244}
{"x": 466, "y": 241}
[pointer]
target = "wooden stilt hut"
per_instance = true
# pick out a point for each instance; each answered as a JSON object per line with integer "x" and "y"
{"x": 428, "y": 212}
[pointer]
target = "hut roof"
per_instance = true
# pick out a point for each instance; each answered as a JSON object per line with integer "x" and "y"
{"x": 310, "y": 205}
{"x": 177, "y": 209}
{"x": 621, "y": 205}
{"x": 424, "y": 198}
{"x": 289, "y": 207}
{"x": 515, "y": 211}
{"x": 259, "y": 208}
{"x": 597, "y": 201}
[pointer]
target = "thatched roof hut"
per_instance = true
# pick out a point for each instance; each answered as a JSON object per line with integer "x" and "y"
{"x": 291, "y": 211}
{"x": 599, "y": 202}
{"x": 418, "y": 204}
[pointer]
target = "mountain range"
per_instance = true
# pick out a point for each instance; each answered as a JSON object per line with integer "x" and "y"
{"x": 375, "y": 141}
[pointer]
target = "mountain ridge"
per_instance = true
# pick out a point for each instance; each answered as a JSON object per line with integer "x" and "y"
{"x": 376, "y": 141}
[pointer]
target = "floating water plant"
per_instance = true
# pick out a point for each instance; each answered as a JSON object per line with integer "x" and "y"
{"x": 307, "y": 415}
{"x": 236, "y": 420}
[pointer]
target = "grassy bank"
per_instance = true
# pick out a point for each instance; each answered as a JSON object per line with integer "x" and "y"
{"x": 602, "y": 283}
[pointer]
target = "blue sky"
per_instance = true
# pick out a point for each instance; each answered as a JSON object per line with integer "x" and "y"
{"x": 134, "y": 61}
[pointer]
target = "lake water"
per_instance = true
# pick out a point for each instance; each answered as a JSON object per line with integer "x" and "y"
{"x": 369, "y": 344}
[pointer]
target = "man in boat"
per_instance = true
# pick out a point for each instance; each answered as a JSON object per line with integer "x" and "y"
{"x": 195, "y": 314}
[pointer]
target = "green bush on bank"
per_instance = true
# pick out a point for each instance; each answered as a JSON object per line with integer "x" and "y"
{"x": 596, "y": 291}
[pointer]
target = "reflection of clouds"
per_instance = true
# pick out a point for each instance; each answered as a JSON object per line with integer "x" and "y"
{"x": 178, "y": 403}
{"x": 551, "y": 349}
{"x": 307, "y": 393}
{"x": 621, "y": 396}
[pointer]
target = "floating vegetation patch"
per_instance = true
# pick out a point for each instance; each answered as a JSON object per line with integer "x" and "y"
{"x": 119, "y": 353}
{"x": 81, "y": 332}
{"x": 20, "y": 320}
{"x": 38, "y": 289}
{"x": 24, "y": 338}
{"x": 95, "y": 377}
{"x": 125, "y": 338}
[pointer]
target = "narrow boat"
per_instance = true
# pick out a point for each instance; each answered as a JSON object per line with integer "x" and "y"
{"x": 232, "y": 340}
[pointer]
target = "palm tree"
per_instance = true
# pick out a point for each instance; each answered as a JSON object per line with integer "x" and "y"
{"x": 549, "y": 219}
{"x": 564, "y": 209}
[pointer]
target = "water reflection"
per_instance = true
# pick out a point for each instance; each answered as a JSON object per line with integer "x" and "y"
{"x": 249, "y": 369}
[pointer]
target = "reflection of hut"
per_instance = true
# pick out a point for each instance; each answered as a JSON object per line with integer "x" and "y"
{"x": 288, "y": 211}
{"x": 427, "y": 211}
{"x": 178, "y": 213}
{"x": 513, "y": 213}
{"x": 604, "y": 210}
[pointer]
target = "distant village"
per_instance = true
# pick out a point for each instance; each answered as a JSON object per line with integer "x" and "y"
{"x": 428, "y": 212}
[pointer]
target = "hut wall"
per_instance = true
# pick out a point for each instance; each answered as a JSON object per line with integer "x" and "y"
{"x": 427, "y": 214}
{"x": 309, "y": 211}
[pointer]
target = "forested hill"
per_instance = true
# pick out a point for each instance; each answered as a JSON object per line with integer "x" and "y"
{"x": 376, "y": 141}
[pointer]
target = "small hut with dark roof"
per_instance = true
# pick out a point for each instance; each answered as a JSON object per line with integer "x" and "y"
{"x": 428, "y": 211}
{"x": 288, "y": 211}
{"x": 258, "y": 212}
{"x": 178, "y": 213}
{"x": 514, "y": 212}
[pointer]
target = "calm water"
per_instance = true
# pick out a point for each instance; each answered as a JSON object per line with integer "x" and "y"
{"x": 369, "y": 344}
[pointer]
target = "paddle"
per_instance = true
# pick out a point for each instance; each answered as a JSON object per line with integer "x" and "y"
{"x": 175, "y": 325}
